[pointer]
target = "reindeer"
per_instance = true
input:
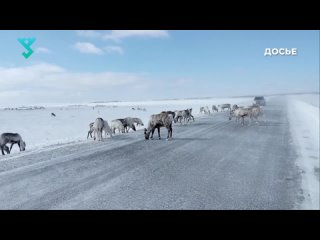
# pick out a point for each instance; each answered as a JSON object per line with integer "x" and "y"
{"x": 13, "y": 138}
{"x": 97, "y": 129}
{"x": 117, "y": 124}
{"x": 203, "y": 110}
{"x": 181, "y": 115}
{"x": 90, "y": 130}
{"x": 127, "y": 124}
{"x": 225, "y": 106}
{"x": 234, "y": 107}
{"x": 158, "y": 121}
{"x": 208, "y": 110}
{"x": 137, "y": 121}
{"x": 189, "y": 114}
{"x": 214, "y": 108}
{"x": 106, "y": 129}
{"x": 240, "y": 113}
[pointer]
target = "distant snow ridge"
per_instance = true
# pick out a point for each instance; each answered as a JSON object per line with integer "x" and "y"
{"x": 26, "y": 108}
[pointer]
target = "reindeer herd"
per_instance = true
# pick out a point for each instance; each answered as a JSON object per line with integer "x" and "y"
{"x": 156, "y": 121}
{"x": 252, "y": 112}
{"x": 122, "y": 125}
{"x": 167, "y": 118}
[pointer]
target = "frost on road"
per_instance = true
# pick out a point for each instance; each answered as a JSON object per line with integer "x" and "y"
{"x": 212, "y": 163}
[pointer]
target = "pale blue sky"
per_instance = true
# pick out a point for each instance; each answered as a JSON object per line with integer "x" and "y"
{"x": 84, "y": 66}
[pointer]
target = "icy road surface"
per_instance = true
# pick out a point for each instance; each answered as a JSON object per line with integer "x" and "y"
{"x": 212, "y": 163}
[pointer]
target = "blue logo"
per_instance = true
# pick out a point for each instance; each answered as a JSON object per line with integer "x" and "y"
{"x": 27, "y": 42}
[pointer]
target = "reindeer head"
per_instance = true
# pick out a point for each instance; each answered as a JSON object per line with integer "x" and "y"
{"x": 6, "y": 149}
{"x": 146, "y": 134}
{"x": 22, "y": 145}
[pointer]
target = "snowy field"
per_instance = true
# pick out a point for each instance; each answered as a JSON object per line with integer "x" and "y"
{"x": 303, "y": 111}
{"x": 38, "y": 129}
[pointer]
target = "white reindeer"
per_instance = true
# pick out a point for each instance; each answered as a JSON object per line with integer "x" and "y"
{"x": 97, "y": 129}
{"x": 106, "y": 129}
{"x": 117, "y": 124}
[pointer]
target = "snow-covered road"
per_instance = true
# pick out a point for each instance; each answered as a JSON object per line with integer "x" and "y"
{"x": 212, "y": 163}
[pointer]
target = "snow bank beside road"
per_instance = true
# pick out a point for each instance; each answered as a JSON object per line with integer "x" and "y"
{"x": 311, "y": 99}
{"x": 304, "y": 125}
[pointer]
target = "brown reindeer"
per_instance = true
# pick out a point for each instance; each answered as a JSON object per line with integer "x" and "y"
{"x": 163, "y": 119}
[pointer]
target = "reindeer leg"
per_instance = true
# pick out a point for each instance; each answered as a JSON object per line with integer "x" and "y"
{"x": 159, "y": 133}
{"x": 11, "y": 146}
{"x": 8, "y": 150}
{"x": 152, "y": 132}
{"x": 169, "y": 133}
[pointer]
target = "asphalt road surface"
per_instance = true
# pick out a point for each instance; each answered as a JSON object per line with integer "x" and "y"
{"x": 212, "y": 163}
